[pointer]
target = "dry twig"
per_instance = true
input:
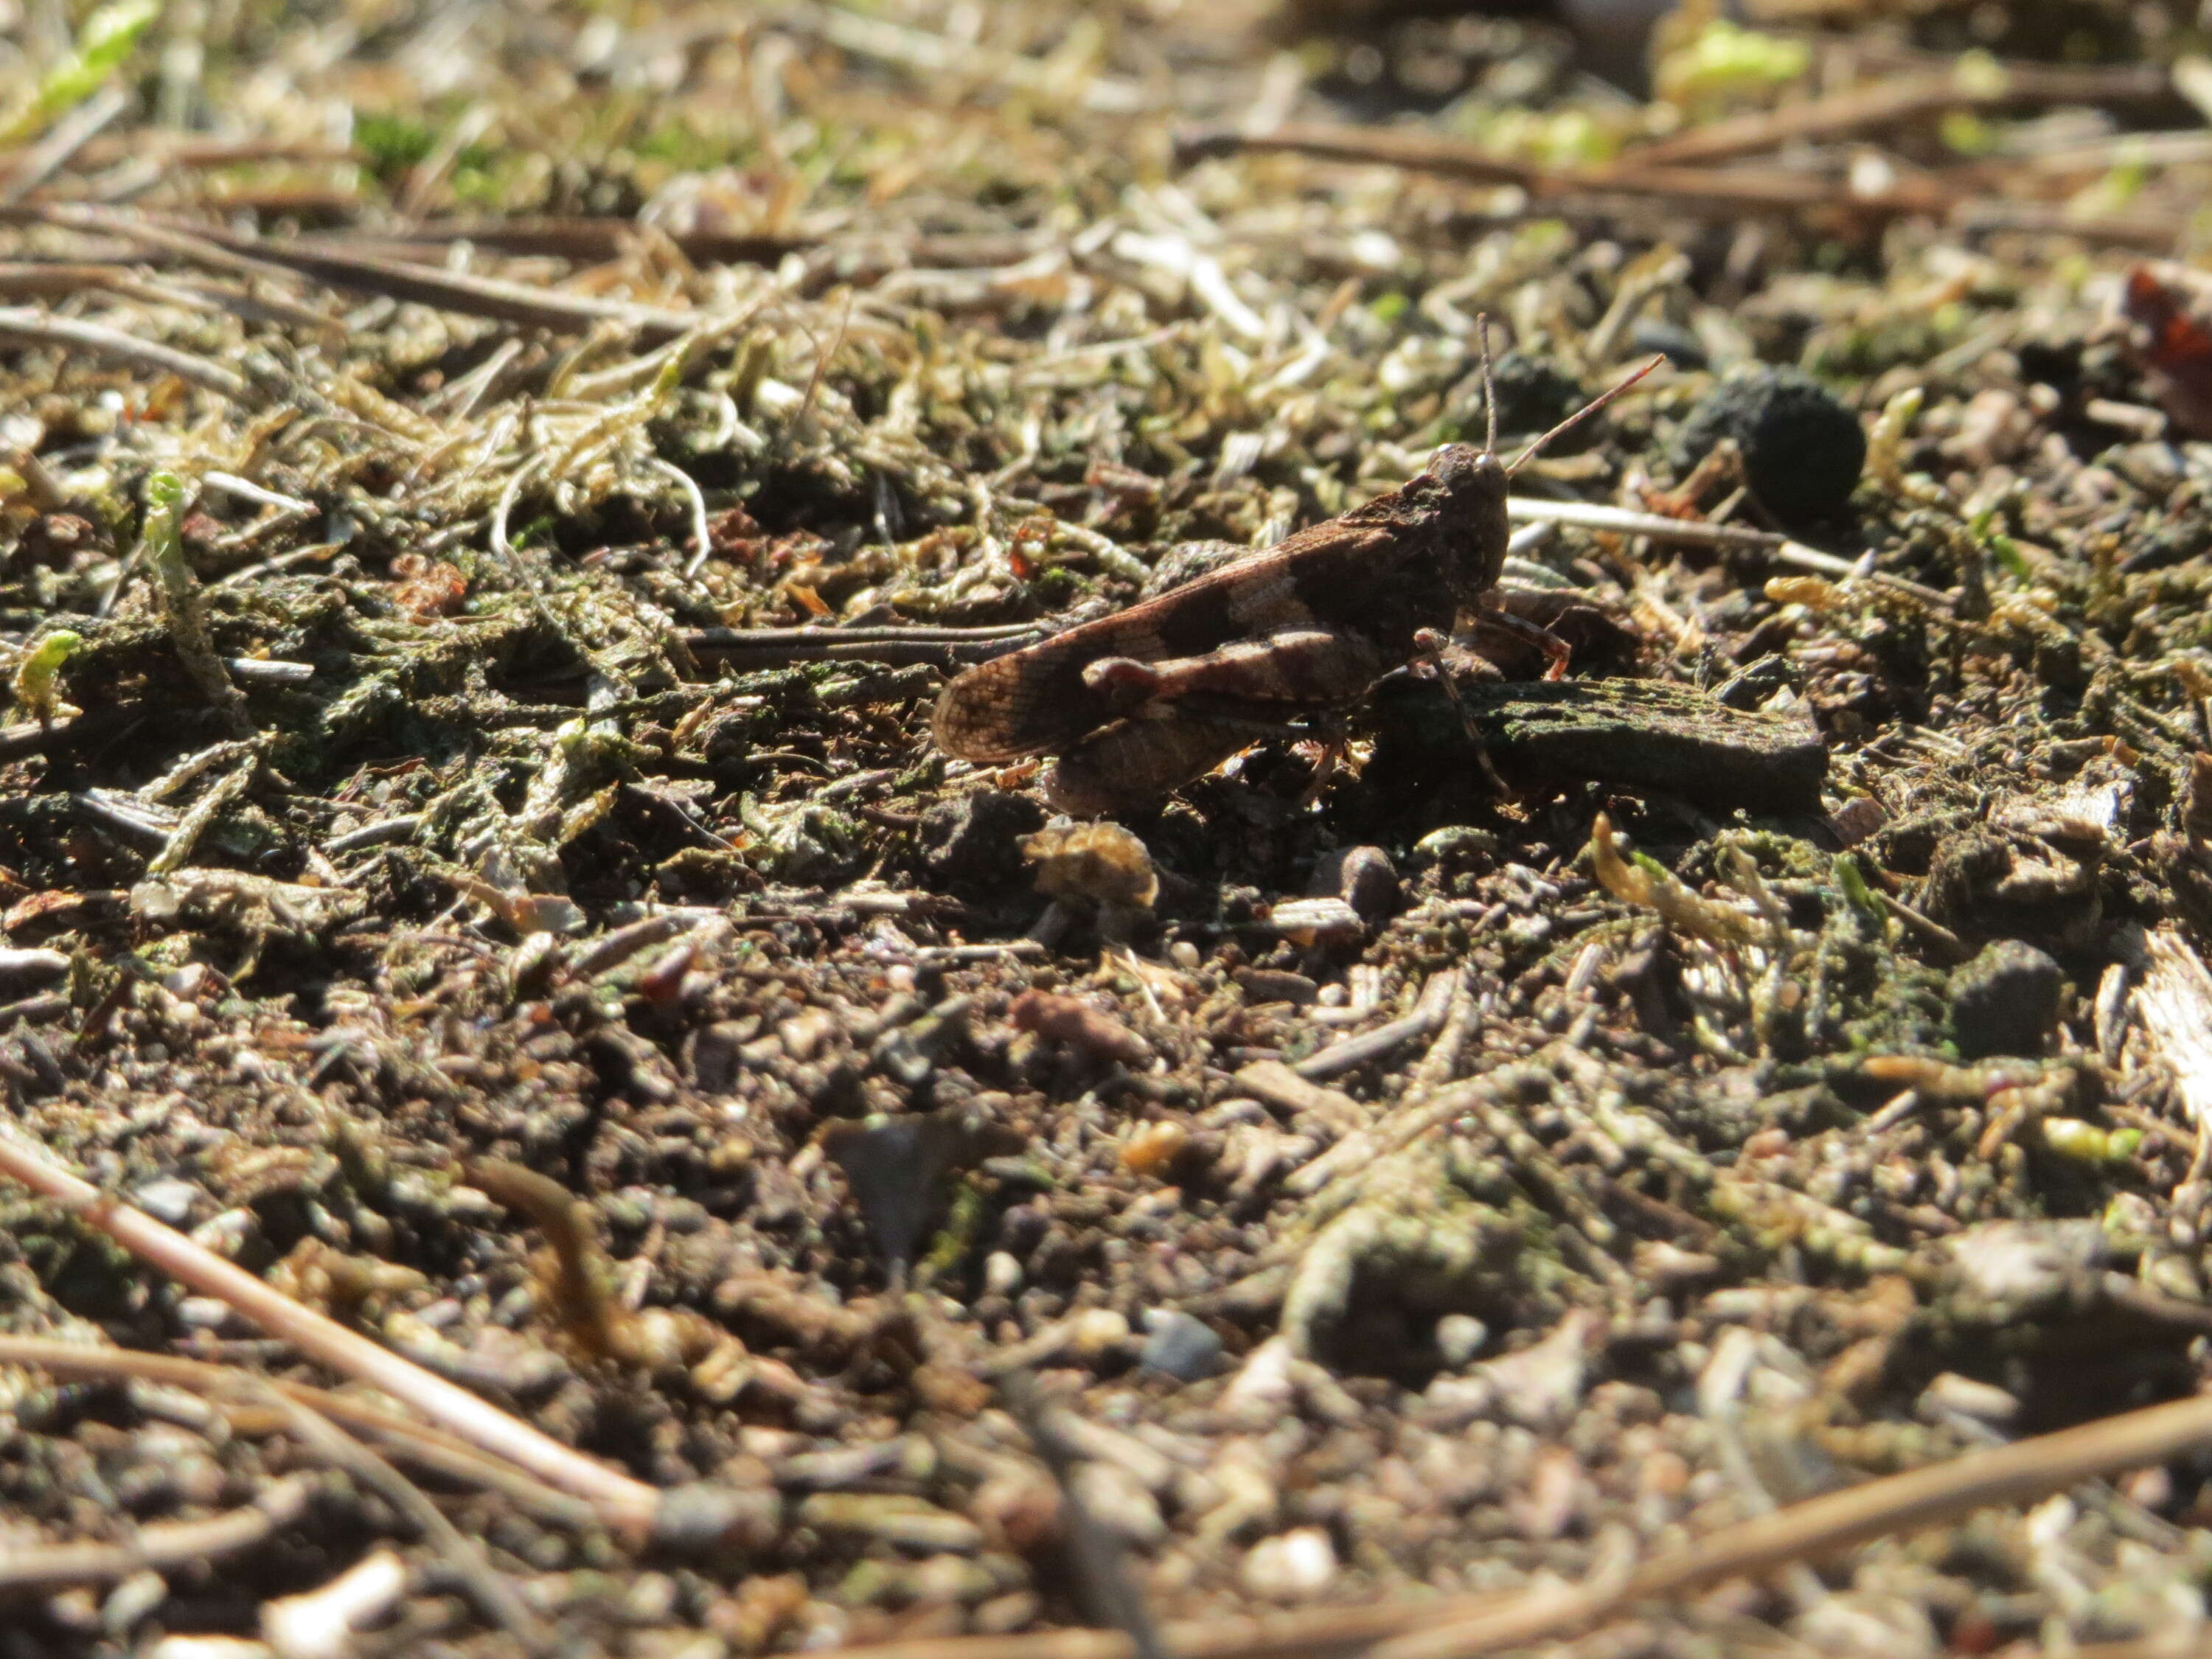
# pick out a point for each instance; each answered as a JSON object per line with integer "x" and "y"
{"x": 626, "y": 1505}
{"x": 164, "y": 1546}
{"x": 1450, "y": 1627}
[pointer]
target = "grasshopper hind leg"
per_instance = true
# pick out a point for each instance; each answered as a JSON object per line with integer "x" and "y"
{"x": 1557, "y": 652}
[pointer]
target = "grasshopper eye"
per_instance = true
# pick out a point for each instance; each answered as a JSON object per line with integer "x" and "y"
{"x": 1458, "y": 465}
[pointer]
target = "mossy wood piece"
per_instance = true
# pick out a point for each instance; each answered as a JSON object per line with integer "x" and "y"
{"x": 1658, "y": 736}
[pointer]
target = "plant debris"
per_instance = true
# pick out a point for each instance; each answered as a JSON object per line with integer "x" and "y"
{"x": 545, "y": 1114}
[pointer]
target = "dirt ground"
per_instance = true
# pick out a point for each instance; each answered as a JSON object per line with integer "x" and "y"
{"x": 489, "y": 498}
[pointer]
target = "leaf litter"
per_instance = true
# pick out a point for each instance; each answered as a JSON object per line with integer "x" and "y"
{"x": 486, "y": 509}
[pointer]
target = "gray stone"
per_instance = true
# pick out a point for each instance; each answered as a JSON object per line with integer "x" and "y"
{"x": 1180, "y": 1345}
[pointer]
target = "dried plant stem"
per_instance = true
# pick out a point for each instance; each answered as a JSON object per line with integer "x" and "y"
{"x": 24, "y": 325}
{"x": 769, "y": 647}
{"x": 163, "y": 1546}
{"x": 1354, "y": 1051}
{"x": 177, "y": 592}
{"x": 1901, "y": 99}
{"x": 2021, "y": 1474}
{"x": 1716, "y": 192}
{"x": 32, "y": 166}
{"x": 1735, "y": 190}
{"x": 427, "y": 1448}
{"x": 1597, "y": 515}
{"x": 35, "y": 737}
{"x": 626, "y": 1505}
{"x": 494, "y": 1595}
{"x": 491, "y": 297}
{"x": 1096, "y": 1551}
{"x": 1463, "y": 1625}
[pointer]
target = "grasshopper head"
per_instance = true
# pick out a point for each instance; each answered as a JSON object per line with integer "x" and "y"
{"x": 1472, "y": 484}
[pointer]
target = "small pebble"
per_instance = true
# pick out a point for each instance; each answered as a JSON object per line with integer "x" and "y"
{"x": 1460, "y": 1337}
{"x": 1290, "y": 1566}
{"x": 1151, "y": 1147}
{"x": 1951, "y": 1393}
{"x": 207, "y": 1312}
{"x": 2005, "y": 1001}
{"x": 1002, "y": 1275}
{"x": 1364, "y": 877}
{"x": 20, "y": 968}
{"x": 205, "y": 1647}
{"x": 167, "y": 1198}
{"x": 131, "y": 1601}
{"x": 1180, "y": 1345}
{"x": 1096, "y": 1332}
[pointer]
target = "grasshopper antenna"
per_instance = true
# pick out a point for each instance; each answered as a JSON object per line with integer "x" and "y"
{"x": 1583, "y": 414}
{"x": 1489, "y": 387}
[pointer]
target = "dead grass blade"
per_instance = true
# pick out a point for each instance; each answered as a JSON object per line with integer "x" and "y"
{"x": 489, "y": 297}
{"x": 1903, "y": 98}
{"x": 628, "y": 1506}
{"x": 165, "y": 1545}
{"x": 774, "y": 648}
{"x": 1820, "y": 1527}
{"x": 427, "y": 1448}
{"x": 23, "y": 326}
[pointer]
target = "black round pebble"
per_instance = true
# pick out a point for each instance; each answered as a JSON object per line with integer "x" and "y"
{"x": 2005, "y": 1001}
{"x": 1803, "y": 450}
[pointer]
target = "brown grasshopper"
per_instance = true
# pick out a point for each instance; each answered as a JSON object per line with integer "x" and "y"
{"x": 1135, "y": 704}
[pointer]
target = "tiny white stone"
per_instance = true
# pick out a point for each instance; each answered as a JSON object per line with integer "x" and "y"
{"x": 1096, "y": 1330}
{"x": 1460, "y": 1337}
{"x": 1002, "y": 1273}
{"x": 1291, "y": 1565}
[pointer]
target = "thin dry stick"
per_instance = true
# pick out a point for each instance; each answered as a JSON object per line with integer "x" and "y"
{"x": 1095, "y": 1550}
{"x": 35, "y": 737}
{"x": 587, "y": 240}
{"x": 1736, "y": 191}
{"x": 494, "y": 1595}
{"x": 1597, "y": 515}
{"x": 766, "y": 648}
{"x": 23, "y": 326}
{"x": 503, "y": 301}
{"x": 164, "y": 1546}
{"x": 173, "y": 151}
{"x": 1428, "y": 1014}
{"x": 2021, "y": 1474}
{"x": 627, "y": 1505}
{"x": 1727, "y": 193}
{"x": 431, "y": 1448}
{"x": 1899, "y": 99}
{"x": 41, "y": 280}
{"x": 1454, "y": 1626}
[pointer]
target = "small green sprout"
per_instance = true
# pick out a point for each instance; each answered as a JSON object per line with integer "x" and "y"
{"x": 102, "y": 43}
{"x": 40, "y": 669}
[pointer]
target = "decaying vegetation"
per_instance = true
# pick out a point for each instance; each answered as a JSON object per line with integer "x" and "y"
{"x": 544, "y": 1117}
